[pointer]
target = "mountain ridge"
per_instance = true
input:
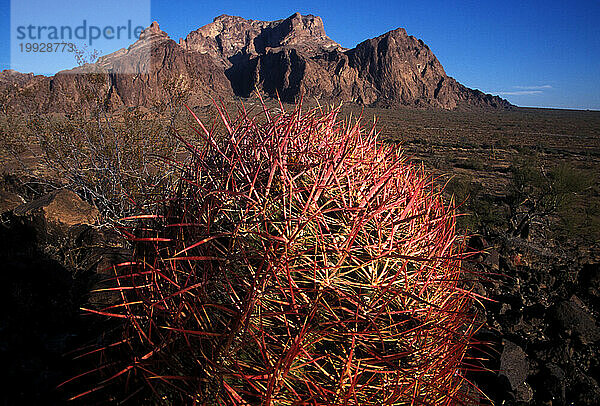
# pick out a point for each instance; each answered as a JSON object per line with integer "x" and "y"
{"x": 234, "y": 56}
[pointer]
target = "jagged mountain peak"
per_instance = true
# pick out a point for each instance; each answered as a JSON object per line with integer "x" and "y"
{"x": 228, "y": 36}
{"x": 288, "y": 58}
{"x": 153, "y": 29}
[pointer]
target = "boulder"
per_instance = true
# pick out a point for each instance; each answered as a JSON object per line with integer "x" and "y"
{"x": 56, "y": 214}
{"x": 515, "y": 367}
{"x": 573, "y": 318}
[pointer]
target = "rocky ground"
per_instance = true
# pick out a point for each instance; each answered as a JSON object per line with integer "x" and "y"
{"x": 541, "y": 322}
{"x": 543, "y": 286}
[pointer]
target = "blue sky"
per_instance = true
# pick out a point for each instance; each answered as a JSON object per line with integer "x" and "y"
{"x": 544, "y": 54}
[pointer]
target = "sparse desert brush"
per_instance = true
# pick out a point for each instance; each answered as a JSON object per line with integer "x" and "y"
{"x": 300, "y": 261}
{"x": 112, "y": 162}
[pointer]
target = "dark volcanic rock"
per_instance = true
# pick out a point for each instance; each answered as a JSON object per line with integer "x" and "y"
{"x": 543, "y": 324}
{"x": 589, "y": 278}
{"x": 515, "y": 367}
{"x": 572, "y": 317}
{"x": 288, "y": 58}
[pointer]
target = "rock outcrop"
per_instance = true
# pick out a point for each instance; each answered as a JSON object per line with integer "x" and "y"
{"x": 294, "y": 57}
{"x": 287, "y": 58}
{"x": 229, "y": 36}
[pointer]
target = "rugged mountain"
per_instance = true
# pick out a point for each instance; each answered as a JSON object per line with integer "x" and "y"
{"x": 294, "y": 56}
{"x": 288, "y": 58}
{"x": 152, "y": 71}
{"x": 396, "y": 68}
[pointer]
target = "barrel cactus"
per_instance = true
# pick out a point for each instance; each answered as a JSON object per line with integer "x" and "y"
{"x": 299, "y": 260}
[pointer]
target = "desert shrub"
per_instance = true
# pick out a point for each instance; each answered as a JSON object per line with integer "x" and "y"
{"x": 111, "y": 162}
{"x": 480, "y": 212}
{"x": 13, "y": 135}
{"x": 299, "y": 261}
{"x": 114, "y": 158}
{"x": 115, "y": 162}
{"x": 537, "y": 192}
{"x": 559, "y": 199}
{"x": 13, "y": 126}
